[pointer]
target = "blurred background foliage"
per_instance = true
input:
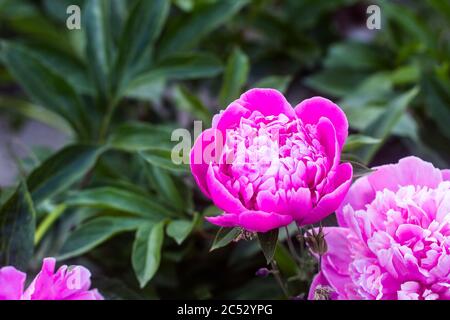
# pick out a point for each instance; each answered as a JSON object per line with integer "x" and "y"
{"x": 112, "y": 200}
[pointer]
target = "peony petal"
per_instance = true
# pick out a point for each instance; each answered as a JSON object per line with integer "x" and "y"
{"x": 226, "y": 220}
{"x": 330, "y": 202}
{"x": 319, "y": 280}
{"x": 335, "y": 263}
{"x": 327, "y": 137}
{"x": 215, "y": 119}
{"x": 299, "y": 204}
{"x": 12, "y": 282}
{"x": 231, "y": 117}
{"x": 446, "y": 174}
{"x": 87, "y": 295}
{"x": 311, "y": 110}
{"x": 42, "y": 286}
{"x": 220, "y": 195}
{"x": 269, "y": 102}
{"x": 267, "y": 201}
{"x": 408, "y": 171}
{"x": 260, "y": 221}
{"x": 360, "y": 194}
{"x": 199, "y": 165}
{"x": 68, "y": 283}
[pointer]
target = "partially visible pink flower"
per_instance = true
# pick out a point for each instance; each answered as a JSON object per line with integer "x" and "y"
{"x": 68, "y": 283}
{"x": 394, "y": 236}
{"x": 266, "y": 164}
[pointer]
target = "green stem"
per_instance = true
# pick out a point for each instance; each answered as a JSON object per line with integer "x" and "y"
{"x": 301, "y": 239}
{"x": 277, "y": 275}
{"x": 291, "y": 246}
{"x": 107, "y": 120}
{"x": 48, "y": 222}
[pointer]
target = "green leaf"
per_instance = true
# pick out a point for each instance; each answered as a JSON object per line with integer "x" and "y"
{"x": 359, "y": 169}
{"x": 67, "y": 67}
{"x": 99, "y": 46}
{"x": 279, "y": 83}
{"x": 224, "y": 236}
{"x": 186, "y": 101}
{"x": 178, "y": 67}
{"x": 17, "y": 225}
{"x": 384, "y": 124}
{"x": 356, "y": 141}
{"x": 163, "y": 158}
{"x": 332, "y": 81}
{"x": 180, "y": 229}
{"x": 150, "y": 91}
{"x": 235, "y": 77}
{"x": 408, "y": 74}
{"x": 26, "y": 19}
{"x": 188, "y": 32}
{"x": 146, "y": 255}
{"x": 95, "y": 232}
{"x": 286, "y": 263}
{"x": 143, "y": 25}
{"x": 61, "y": 170}
{"x": 442, "y": 7}
{"x": 166, "y": 186}
{"x": 353, "y": 55}
{"x": 45, "y": 87}
{"x": 373, "y": 90}
{"x": 120, "y": 200}
{"x": 409, "y": 22}
{"x": 437, "y": 100}
{"x": 268, "y": 243}
{"x": 141, "y": 136}
{"x": 35, "y": 112}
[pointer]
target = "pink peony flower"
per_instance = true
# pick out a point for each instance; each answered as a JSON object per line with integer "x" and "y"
{"x": 68, "y": 283}
{"x": 266, "y": 164}
{"x": 394, "y": 236}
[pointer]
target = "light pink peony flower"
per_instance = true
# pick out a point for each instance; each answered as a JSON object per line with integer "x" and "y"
{"x": 266, "y": 164}
{"x": 394, "y": 236}
{"x": 68, "y": 283}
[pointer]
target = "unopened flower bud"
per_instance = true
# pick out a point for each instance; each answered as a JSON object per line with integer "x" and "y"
{"x": 262, "y": 272}
{"x": 316, "y": 241}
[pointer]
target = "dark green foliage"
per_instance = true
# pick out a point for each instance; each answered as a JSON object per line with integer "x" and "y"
{"x": 139, "y": 69}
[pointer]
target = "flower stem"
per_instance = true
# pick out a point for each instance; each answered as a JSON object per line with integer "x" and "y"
{"x": 277, "y": 275}
{"x": 291, "y": 246}
{"x": 107, "y": 120}
{"x": 48, "y": 222}
{"x": 301, "y": 238}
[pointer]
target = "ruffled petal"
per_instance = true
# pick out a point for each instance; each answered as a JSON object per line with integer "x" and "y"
{"x": 260, "y": 221}
{"x": 231, "y": 117}
{"x": 311, "y": 110}
{"x": 328, "y": 139}
{"x": 220, "y": 195}
{"x": 446, "y": 174}
{"x": 335, "y": 263}
{"x": 360, "y": 194}
{"x": 87, "y": 295}
{"x": 226, "y": 220}
{"x": 199, "y": 165}
{"x": 408, "y": 171}
{"x": 269, "y": 102}
{"x": 68, "y": 283}
{"x": 42, "y": 286}
{"x": 341, "y": 182}
{"x": 12, "y": 283}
